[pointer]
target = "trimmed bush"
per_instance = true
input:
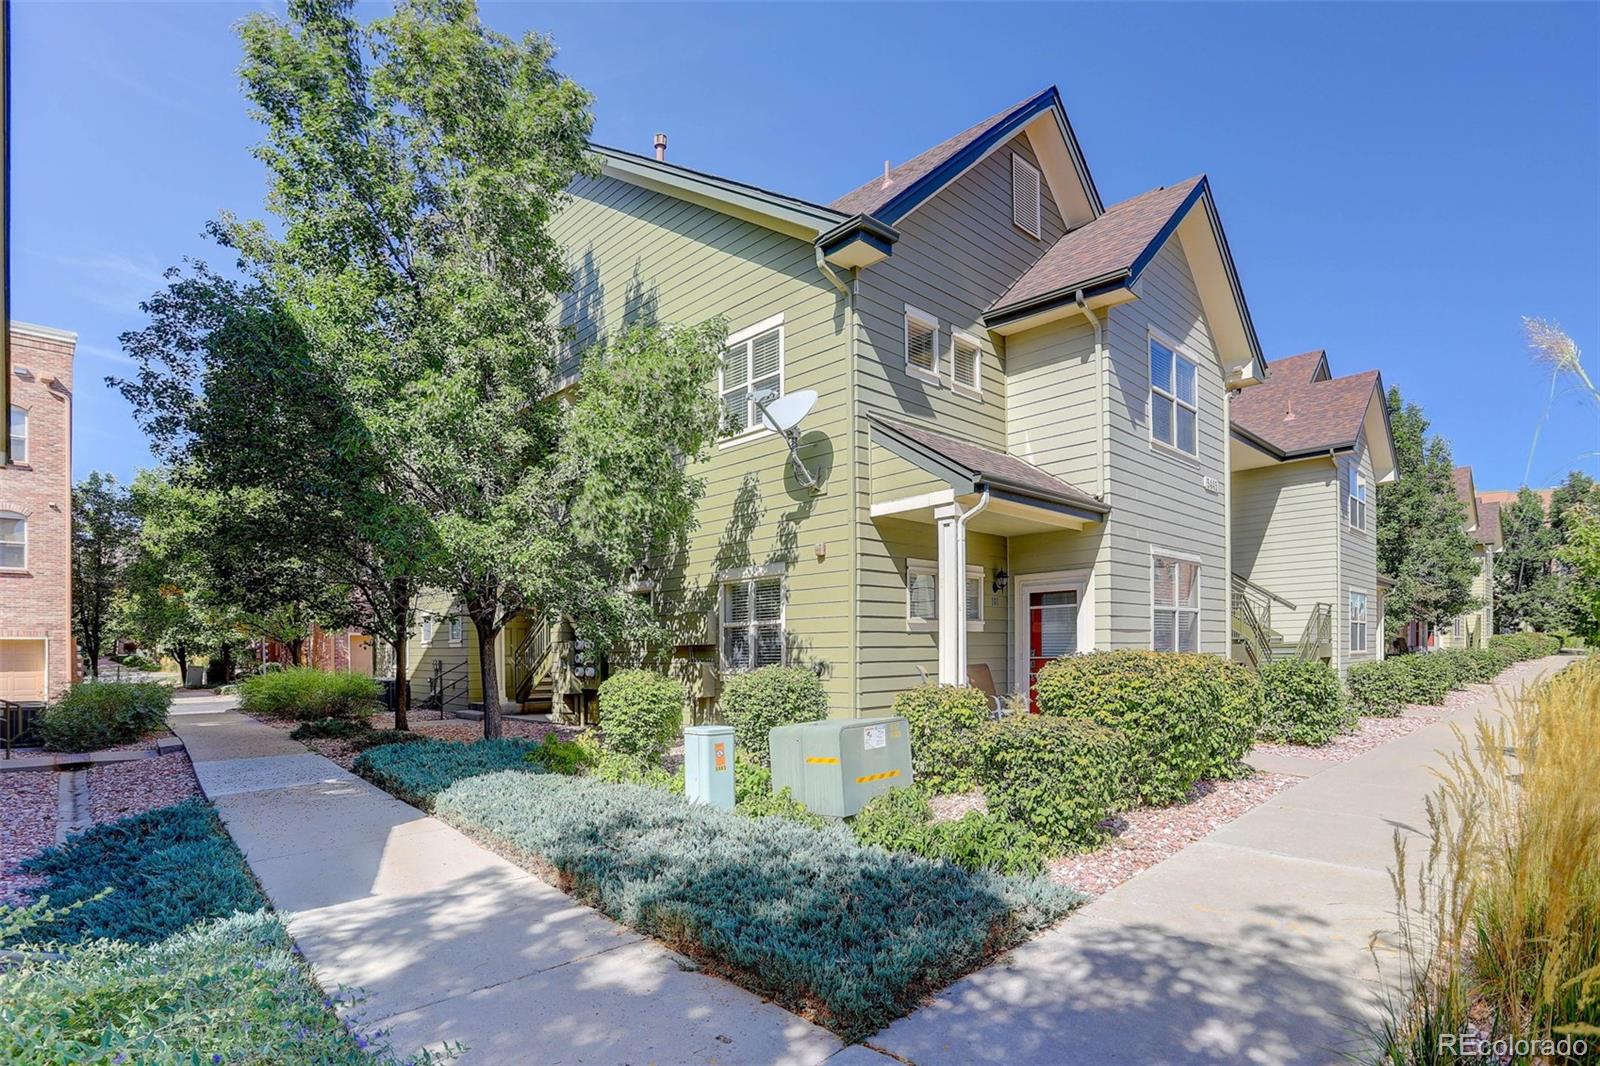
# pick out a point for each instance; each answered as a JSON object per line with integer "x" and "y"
{"x": 757, "y": 702}
{"x": 307, "y": 694}
{"x": 641, "y": 713}
{"x": 102, "y": 714}
{"x": 753, "y": 796}
{"x": 331, "y": 729}
{"x": 945, "y": 721}
{"x": 1186, "y": 717}
{"x": 557, "y": 756}
{"x": 1377, "y": 688}
{"x": 378, "y": 738}
{"x": 1302, "y": 702}
{"x": 852, "y": 935}
{"x": 901, "y": 820}
{"x": 1524, "y": 646}
{"x": 167, "y": 869}
{"x": 418, "y": 772}
{"x": 1058, "y": 777}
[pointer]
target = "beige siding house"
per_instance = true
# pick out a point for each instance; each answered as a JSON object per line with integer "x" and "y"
{"x": 1471, "y": 629}
{"x": 1020, "y": 431}
{"x": 1308, "y": 451}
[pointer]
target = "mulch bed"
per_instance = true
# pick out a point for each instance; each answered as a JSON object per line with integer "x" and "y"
{"x": 1147, "y": 835}
{"x": 27, "y": 824}
{"x": 121, "y": 789}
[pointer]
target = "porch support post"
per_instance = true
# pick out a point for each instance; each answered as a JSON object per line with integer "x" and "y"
{"x": 952, "y": 584}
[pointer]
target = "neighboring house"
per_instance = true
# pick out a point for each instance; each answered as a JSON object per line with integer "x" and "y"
{"x": 1309, "y": 450}
{"x": 1471, "y": 629}
{"x": 1020, "y": 433}
{"x": 38, "y": 659}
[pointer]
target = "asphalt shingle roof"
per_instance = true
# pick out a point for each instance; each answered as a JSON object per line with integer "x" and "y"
{"x": 1488, "y": 531}
{"x": 1109, "y": 244}
{"x": 1299, "y": 415}
{"x": 991, "y": 465}
{"x": 1302, "y": 367}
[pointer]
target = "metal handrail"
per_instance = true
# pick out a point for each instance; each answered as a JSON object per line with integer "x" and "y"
{"x": 1318, "y": 633}
{"x": 533, "y": 660}
{"x": 1252, "y": 634}
{"x": 1242, "y": 582}
{"x": 447, "y": 685}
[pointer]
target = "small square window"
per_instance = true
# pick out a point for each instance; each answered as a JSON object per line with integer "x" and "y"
{"x": 922, "y": 595}
{"x": 966, "y": 360}
{"x": 922, "y": 344}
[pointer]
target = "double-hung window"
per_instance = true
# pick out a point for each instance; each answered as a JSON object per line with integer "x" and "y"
{"x": 922, "y": 595}
{"x": 13, "y": 541}
{"x": 752, "y": 623}
{"x": 1358, "y": 622}
{"x": 1173, "y": 402}
{"x": 18, "y": 434}
{"x": 752, "y": 369}
{"x": 922, "y": 344}
{"x": 455, "y": 630}
{"x": 1358, "y": 495}
{"x": 427, "y": 629}
{"x": 1175, "y": 599}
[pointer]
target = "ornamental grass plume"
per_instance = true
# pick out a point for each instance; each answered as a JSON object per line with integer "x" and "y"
{"x": 1550, "y": 345}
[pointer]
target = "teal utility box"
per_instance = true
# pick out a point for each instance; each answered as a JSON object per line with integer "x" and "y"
{"x": 837, "y": 765}
{"x": 708, "y": 765}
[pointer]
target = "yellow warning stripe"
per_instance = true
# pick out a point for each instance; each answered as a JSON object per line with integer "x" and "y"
{"x": 828, "y": 760}
{"x": 878, "y": 777}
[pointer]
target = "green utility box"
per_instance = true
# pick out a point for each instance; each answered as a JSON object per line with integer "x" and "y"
{"x": 835, "y": 766}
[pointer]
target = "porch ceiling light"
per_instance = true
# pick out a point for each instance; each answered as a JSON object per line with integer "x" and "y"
{"x": 783, "y": 415}
{"x": 1002, "y": 580}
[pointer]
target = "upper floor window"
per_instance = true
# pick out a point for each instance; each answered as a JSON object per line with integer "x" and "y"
{"x": 752, "y": 369}
{"x": 1358, "y": 494}
{"x": 965, "y": 361}
{"x": 922, "y": 344}
{"x": 19, "y": 434}
{"x": 13, "y": 541}
{"x": 455, "y": 630}
{"x": 1175, "y": 599}
{"x": 1026, "y": 198}
{"x": 427, "y": 629}
{"x": 752, "y": 623}
{"x": 1358, "y": 622}
{"x": 1173, "y": 403}
{"x": 922, "y": 595}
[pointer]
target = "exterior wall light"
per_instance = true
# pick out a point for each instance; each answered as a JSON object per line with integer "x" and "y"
{"x": 1001, "y": 580}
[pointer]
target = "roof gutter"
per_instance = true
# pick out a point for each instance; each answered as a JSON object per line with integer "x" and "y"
{"x": 1087, "y": 289}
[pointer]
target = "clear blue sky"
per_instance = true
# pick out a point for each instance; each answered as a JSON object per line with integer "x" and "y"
{"x": 1399, "y": 183}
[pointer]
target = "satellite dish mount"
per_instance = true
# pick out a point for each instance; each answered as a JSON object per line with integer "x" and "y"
{"x": 782, "y": 414}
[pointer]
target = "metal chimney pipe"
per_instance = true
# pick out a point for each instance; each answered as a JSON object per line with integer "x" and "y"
{"x": 661, "y": 147}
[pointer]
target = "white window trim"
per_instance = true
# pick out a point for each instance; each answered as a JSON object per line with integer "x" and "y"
{"x": 1021, "y": 585}
{"x": 931, "y": 569}
{"x": 723, "y": 626}
{"x": 975, "y": 390}
{"x": 1356, "y": 480}
{"x": 932, "y": 321}
{"x": 1154, "y": 334}
{"x": 24, "y": 520}
{"x": 427, "y": 629}
{"x": 1037, "y": 232}
{"x": 755, "y": 431}
{"x": 1157, "y": 552}
{"x": 1365, "y": 623}
{"x": 26, "y": 435}
{"x": 455, "y": 630}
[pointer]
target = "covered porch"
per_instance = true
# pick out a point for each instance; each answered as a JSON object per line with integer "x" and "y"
{"x": 993, "y": 562}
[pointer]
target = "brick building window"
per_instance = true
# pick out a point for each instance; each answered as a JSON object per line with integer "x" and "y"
{"x": 13, "y": 541}
{"x": 19, "y": 434}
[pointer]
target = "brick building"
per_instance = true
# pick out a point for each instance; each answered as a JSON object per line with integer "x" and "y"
{"x": 37, "y": 653}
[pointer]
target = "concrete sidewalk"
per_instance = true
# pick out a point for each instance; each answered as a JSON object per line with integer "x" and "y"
{"x": 1250, "y": 945}
{"x": 451, "y": 942}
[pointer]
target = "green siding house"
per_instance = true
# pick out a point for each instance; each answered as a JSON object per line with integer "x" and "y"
{"x": 1020, "y": 442}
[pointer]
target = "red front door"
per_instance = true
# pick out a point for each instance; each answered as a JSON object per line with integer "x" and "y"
{"x": 1052, "y": 632}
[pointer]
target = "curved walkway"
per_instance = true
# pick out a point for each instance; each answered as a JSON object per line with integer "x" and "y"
{"x": 1249, "y": 946}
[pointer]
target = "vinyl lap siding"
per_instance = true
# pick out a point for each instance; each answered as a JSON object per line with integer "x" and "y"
{"x": 1358, "y": 565}
{"x": 637, "y": 255}
{"x": 1051, "y": 401}
{"x": 1285, "y": 538}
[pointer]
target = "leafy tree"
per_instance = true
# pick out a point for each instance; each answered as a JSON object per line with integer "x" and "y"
{"x": 1578, "y": 490}
{"x": 1529, "y": 589}
{"x": 1421, "y": 539}
{"x": 415, "y": 164}
{"x": 1580, "y": 551}
{"x": 103, "y": 530}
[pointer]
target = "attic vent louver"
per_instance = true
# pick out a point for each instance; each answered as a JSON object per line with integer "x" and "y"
{"x": 1026, "y": 210}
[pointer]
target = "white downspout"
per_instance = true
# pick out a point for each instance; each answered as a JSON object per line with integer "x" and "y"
{"x": 1102, "y": 389}
{"x": 961, "y": 589}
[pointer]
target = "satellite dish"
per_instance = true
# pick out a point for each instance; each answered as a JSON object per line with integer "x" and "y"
{"x": 785, "y": 412}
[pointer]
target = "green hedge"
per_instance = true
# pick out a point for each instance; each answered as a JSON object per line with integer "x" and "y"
{"x": 1524, "y": 646}
{"x": 418, "y": 772}
{"x": 852, "y": 935}
{"x": 759, "y": 701}
{"x": 1057, "y": 777}
{"x": 641, "y": 713}
{"x": 94, "y": 715}
{"x": 307, "y": 694}
{"x": 1383, "y": 688}
{"x": 1302, "y": 702}
{"x": 945, "y": 721}
{"x": 1185, "y": 716}
{"x": 167, "y": 869}
{"x": 901, "y": 820}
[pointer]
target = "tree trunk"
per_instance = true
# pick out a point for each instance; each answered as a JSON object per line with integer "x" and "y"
{"x": 488, "y": 672}
{"x": 91, "y": 647}
{"x": 294, "y": 650}
{"x": 402, "y": 697}
{"x": 181, "y": 653}
{"x": 226, "y": 655}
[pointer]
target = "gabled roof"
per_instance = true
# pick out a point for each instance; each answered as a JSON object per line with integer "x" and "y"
{"x": 1306, "y": 367}
{"x": 920, "y": 177}
{"x": 1503, "y": 498}
{"x": 1295, "y": 417}
{"x": 1461, "y": 478}
{"x": 979, "y": 468}
{"x": 1488, "y": 531}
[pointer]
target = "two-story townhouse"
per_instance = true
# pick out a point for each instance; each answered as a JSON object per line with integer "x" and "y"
{"x": 1019, "y": 441}
{"x": 1482, "y": 523}
{"x": 1308, "y": 451}
{"x": 37, "y": 651}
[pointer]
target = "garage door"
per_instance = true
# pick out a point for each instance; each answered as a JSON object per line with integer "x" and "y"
{"x": 22, "y": 670}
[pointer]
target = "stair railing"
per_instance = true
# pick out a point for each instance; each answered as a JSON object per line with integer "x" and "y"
{"x": 1316, "y": 640}
{"x": 1249, "y": 631}
{"x": 532, "y": 661}
{"x": 447, "y": 686}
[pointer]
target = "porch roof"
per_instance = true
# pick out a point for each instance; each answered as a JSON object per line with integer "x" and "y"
{"x": 972, "y": 468}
